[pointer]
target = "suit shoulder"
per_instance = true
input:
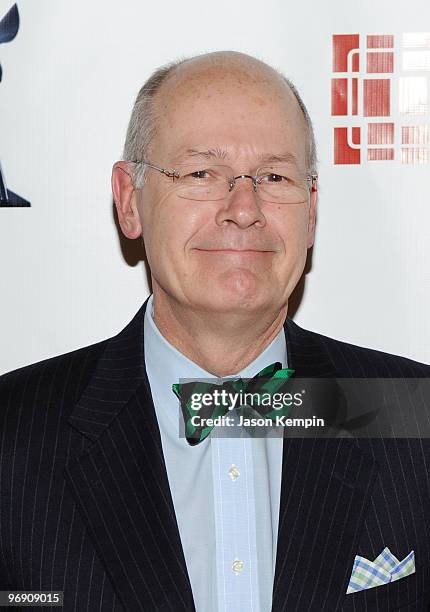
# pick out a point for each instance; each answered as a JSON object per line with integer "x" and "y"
{"x": 67, "y": 371}
{"x": 354, "y": 360}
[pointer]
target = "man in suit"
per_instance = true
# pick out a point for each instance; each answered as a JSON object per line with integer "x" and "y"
{"x": 100, "y": 496}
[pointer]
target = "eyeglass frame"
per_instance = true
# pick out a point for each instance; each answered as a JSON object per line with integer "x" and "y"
{"x": 310, "y": 178}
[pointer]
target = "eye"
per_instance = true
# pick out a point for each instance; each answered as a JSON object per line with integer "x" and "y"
{"x": 199, "y": 174}
{"x": 274, "y": 178}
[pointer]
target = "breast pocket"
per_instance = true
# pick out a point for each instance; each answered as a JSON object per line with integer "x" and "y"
{"x": 409, "y": 593}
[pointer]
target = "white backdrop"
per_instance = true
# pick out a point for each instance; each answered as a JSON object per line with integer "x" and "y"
{"x": 69, "y": 81}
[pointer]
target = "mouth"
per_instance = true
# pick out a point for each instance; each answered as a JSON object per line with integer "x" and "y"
{"x": 233, "y": 251}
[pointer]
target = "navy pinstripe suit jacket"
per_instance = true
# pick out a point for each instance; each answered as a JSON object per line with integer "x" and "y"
{"x": 85, "y": 504}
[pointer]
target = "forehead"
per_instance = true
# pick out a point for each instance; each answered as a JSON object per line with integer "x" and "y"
{"x": 244, "y": 110}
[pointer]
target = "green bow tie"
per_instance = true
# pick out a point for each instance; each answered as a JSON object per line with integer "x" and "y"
{"x": 274, "y": 378}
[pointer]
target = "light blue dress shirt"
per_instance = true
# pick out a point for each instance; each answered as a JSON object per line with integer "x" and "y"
{"x": 225, "y": 490}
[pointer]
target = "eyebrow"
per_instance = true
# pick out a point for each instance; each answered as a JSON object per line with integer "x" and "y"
{"x": 286, "y": 157}
{"x": 216, "y": 152}
{"x": 264, "y": 158}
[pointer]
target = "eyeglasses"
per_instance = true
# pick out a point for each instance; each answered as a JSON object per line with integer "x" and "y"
{"x": 273, "y": 183}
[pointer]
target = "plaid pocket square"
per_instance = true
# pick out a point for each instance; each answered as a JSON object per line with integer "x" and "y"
{"x": 385, "y": 568}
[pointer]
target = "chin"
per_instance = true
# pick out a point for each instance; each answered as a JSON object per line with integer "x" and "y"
{"x": 236, "y": 290}
{"x": 236, "y": 303}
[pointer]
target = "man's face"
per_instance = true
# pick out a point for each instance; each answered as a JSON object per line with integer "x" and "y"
{"x": 238, "y": 254}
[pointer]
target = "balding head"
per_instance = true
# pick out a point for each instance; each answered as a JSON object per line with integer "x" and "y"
{"x": 188, "y": 78}
{"x": 225, "y": 66}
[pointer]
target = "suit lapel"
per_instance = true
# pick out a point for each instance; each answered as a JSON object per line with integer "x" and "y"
{"x": 120, "y": 482}
{"x": 325, "y": 488}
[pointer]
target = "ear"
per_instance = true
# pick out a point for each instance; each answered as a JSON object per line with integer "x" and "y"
{"x": 125, "y": 198}
{"x": 312, "y": 214}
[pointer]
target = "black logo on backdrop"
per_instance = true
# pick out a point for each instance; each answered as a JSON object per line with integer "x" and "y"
{"x": 9, "y": 27}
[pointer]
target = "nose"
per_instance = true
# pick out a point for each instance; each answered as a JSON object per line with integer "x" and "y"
{"x": 233, "y": 182}
{"x": 242, "y": 205}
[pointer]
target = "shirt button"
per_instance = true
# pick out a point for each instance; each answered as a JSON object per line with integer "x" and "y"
{"x": 233, "y": 472}
{"x": 237, "y": 565}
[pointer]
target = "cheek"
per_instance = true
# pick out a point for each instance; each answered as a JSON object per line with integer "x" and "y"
{"x": 292, "y": 229}
{"x": 171, "y": 226}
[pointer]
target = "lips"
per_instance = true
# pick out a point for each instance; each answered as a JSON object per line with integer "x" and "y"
{"x": 235, "y": 250}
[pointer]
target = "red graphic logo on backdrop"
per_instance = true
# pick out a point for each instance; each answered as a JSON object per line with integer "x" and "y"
{"x": 379, "y": 97}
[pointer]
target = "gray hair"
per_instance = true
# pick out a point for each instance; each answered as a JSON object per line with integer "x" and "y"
{"x": 142, "y": 125}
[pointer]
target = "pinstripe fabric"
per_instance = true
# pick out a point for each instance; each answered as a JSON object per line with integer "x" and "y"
{"x": 85, "y": 504}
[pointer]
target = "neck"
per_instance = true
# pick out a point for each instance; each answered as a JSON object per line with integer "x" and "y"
{"x": 220, "y": 343}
